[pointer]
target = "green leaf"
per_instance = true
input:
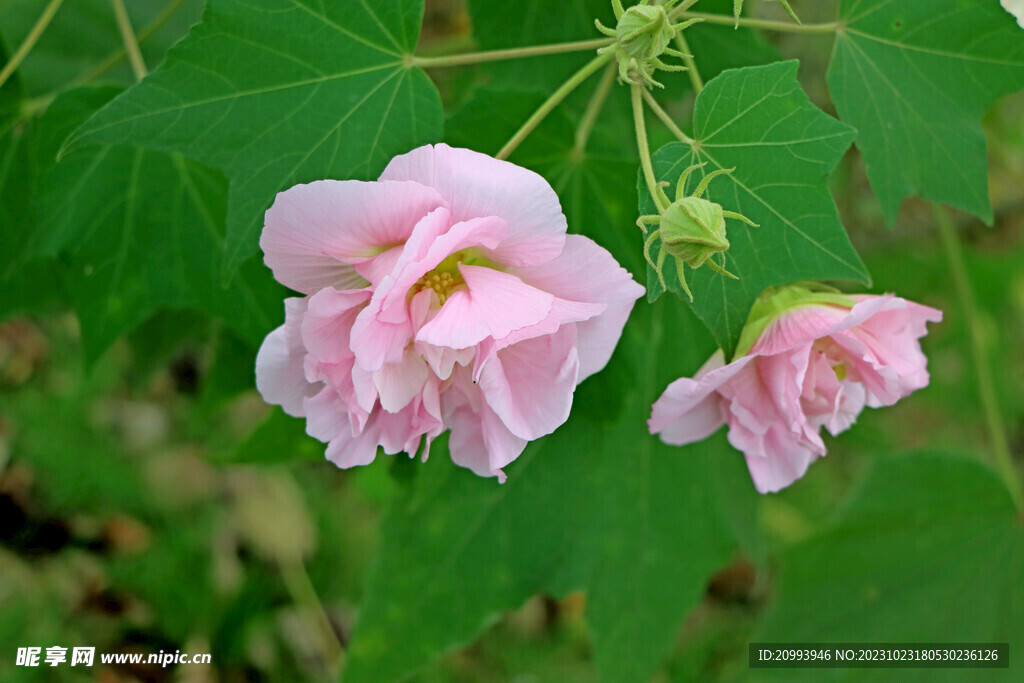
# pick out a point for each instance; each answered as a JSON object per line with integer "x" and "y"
{"x": 914, "y": 78}
{"x": 759, "y": 121}
{"x": 608, "y": 509}
{"x": 930, "y": 551}
{"x": 24, "y": 283}
{"x": 83, "y": 35}
{"x": 279, "y": 92}
{"x": 142, "y": 230}
{"x": 279, "y": 438}
{"x": 737, "y": 9}
{"x": 498, "y": 25}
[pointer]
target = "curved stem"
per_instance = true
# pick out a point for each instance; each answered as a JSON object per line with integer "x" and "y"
{"x": 643, "y": 148}
{"x": 782, "y": 26}
{"x": 678, "y": 10}
{"x": 556, "y": 97}
{"x": 30, "y": 40}
{"x": 593, "y": 110}
{"x": 303, "y": 594}
{"x": 147, "y": 31}
{"x": 1003, "y": 460}
{"x": 691, "y": 66}
{"x": 514, "y": 53}
{"x": 131, "y": 44}
{"x": 666, "y": 119}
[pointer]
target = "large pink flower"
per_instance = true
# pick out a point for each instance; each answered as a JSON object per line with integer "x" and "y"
{"x": 445, "y": 295}
{"x": 814, "y": 360}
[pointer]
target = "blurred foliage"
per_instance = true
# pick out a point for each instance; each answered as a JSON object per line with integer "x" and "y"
{"x": 151, "y": 501}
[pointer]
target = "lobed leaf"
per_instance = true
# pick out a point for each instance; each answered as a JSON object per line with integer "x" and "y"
{"x": 142, "y": 230}
{"x": 914, "y": 78}
{"x": 279, "y": 92}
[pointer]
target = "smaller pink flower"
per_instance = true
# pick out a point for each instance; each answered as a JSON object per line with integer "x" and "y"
{"x": 806, "y": 360}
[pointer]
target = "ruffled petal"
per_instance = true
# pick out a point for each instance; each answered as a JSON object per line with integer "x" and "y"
{"x": 314, "y": 233}
{"x": 530, "y": 385}
{"x": 475, "y": 185}
{"x": 798, "y": 327}
{"x": 398, "y": 383}
{"x": 280, "y": 374}
{"x": 482, "y": 443}
{"x": 688, "y": 410}
{"x": 586, "y": 272}
{"x": 328, "y": 321}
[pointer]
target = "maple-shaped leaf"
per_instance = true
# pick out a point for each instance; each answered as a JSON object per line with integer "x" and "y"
{"x": 914, "y": 79}
{"x": 280, "y": 92}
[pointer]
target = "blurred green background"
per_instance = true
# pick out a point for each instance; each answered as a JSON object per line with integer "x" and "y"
{"x": 144, "y": 505}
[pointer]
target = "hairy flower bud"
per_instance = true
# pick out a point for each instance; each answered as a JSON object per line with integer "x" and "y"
{"x": 642, "y": 35}
{"x": 692, "y": 229}
{"x": 644, "y": 31}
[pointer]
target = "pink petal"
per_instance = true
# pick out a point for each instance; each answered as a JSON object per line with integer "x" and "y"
{"x": 314, "y": 233}
{"x": 530, "y": 385}
{"x": 475, "y": 185}
{"x": 482, "y": 443}
{"x": 495, "y": 304}
{"x": 798, "y": 327}
{"x": 586, "y": 272}
{"x": 328, "y": 321}
{"x": 687, "y": 410}
{"x": 325, "y": 415}
{"x": 398, "y": 383}
{"x": 562, "y": 313}
{"x": 280, "y": 377}
{"x": 788, "y": 462}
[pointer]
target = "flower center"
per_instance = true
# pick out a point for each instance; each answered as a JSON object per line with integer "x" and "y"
{"x": 840, "y": 371}
{"x": 446, "y": 279}
{"x": 443, "y": 284}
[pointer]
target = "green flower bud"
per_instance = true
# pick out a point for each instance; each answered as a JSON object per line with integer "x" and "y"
{"x": 642, "y": 35}
{"x": 644, "y": 31}
{"x": 692, "y": 229}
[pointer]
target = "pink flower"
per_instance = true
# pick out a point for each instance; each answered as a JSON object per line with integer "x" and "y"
{"x": 806, "y": 361}
{"x": 445, "y": 295}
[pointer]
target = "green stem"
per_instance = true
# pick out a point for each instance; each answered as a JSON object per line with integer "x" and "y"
{"x": 643, "y": 148}
{"x": 131, "y": 44}
{"x": 761, "y": 23}
{"x": 677, "y": 11}
{"x": 30, "y": 40}
{"x": 556, "y": 97}
{"x": 979, "y": 351}
{"x": 147, "y": 31}
{"x": 666, "y": 119}
{"x": 593, "y": 110}
{"x": 303, "y": 594}
{"x": 691, "y": 66}
{"x": 515, "y": 53}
